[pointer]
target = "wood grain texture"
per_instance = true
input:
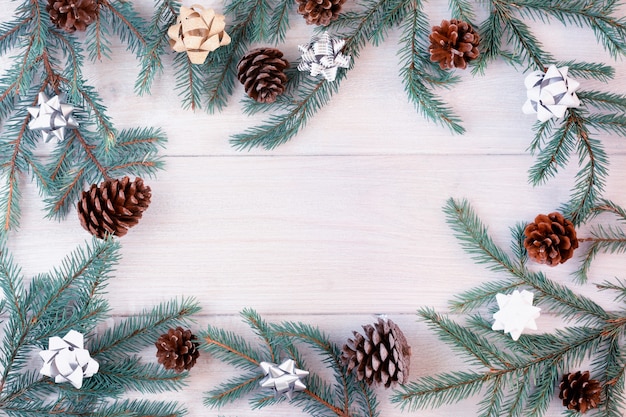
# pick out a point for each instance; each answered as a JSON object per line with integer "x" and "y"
{"x": 340, "y": 224}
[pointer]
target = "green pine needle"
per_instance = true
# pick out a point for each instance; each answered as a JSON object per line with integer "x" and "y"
{"x": 344, "y": 397}
{"x": 419, "y": 74}
{"x": 50, "y": 60}
{"x": 519, "y": 378}
{"x": 70, "y": 297}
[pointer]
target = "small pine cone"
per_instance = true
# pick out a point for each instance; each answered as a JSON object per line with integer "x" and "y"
{"x": 177, "y": 349}
{"x": 453, "y": 44}
{"x": 382, "y": 356}
{"x": 551, "y": 239}
{"x": 578, "y": 392}
{"x": 113, "y": 207}
{"x": 261, "y": 71}
{"x": 72, "y": 15}
{"x": 320, "y": 12}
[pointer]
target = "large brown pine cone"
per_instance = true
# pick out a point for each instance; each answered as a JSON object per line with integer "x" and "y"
{"x": 113, "y": 207}
{"x": 578, "y": 392}
{"x": 177, "y": 349}
{"x": 261, "y": 71}
{"x": 382, "y": 356}
{"x": 320, "y": 12}
{"x": 453, "y": 44}
{"x": 72, "y": 15}
{"x": 551, "y": 239}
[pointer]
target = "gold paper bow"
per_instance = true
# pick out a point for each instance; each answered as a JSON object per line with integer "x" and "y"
{"x": 198, "y": 31}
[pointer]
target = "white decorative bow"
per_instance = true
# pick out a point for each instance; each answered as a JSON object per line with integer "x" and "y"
{"x": 67, "y": 361}
{"x": 550, "y": 94}
{"x": 516, "y": 313}
{"x": 322, "y": 55}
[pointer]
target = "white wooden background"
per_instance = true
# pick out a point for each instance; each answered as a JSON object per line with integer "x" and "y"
{"x": 340, "y": 224}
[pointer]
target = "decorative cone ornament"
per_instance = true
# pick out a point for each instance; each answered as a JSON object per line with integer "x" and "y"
{"x": 551, "y": 239}
{"x": 177, "y": 349}
{"x": 322, "y": 56}
{"x": 198, "y": 31}
{"x": 66, "y": 360}
{"x": 262, "y": 73}
{"x": 52, "y": 117}
{"x": 320, "y": 12}
{"x": 578, "y": 392}
{"x": 453, "y": 44}
{"x": 113, "y": 207}
{"x": 516, "y": 313}
{"x": 72, "y": 15}
{"x": 381, "y": 356}
{"x": 284, "y": 379}
{"x": 550, "y": 94}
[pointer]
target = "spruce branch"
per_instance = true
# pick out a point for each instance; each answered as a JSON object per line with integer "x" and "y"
{"x": 419, "y": 74}
{"x": 475, "y": 239}
{"x": 505, "y": 34}
{"x": 599, "y": 16}
{"x": 462, "y": 10}
{"x": 50, "y": 61}
{"x": 604, "y": 238}
{"x": 70, "y": 297}
{"x": 211, "y": 83}
{"x": 575, "y": 135}
{"x": 157, "y": 42}
{"x": 368, "y": 25}
{"x": 344, "y": 397}
{"x": 518, "y": 378}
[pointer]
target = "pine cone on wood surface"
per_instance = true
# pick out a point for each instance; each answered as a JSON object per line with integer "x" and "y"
{"x": 177, "y": 349}
{"x": 320, "y": 12}
{"x": 551, "y": 239}
{"x": 72, "y": 15}
{"x": 578, "y": 392}
{"x": 113, "y": 207}
{"x": 381, "y": 356}
{"x": 261, "y": 71}
{"x": 453, "y": 44}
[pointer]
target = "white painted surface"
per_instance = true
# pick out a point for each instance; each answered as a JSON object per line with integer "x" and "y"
{"x": 341, "y": 223}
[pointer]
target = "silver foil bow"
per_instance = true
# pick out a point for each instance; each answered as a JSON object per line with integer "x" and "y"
{"x": 67, "y": 361}
{"x": 52, "y": 117}
{"x": 322, "y": 55}
{"x": 284, "y": 379}
{"x": 550, "y": 94}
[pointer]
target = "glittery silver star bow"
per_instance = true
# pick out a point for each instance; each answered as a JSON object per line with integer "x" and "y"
{"x": 67, "y": 361}
{"x": 322, "y": 55}
{"x": 550, "y": 94}
{"x": 284, "y": 379}
{"x": 52, "y": 117}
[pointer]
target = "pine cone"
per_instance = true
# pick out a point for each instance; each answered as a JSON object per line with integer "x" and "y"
{"x": 578, "y": 392}
{"x": 382, "y": 356}
{"x": 72, "y": 15}
{"x": 177, "y": 349}
{"x": 550, "y": 239}
{"x": 113, "y": 207}
{"x": 261, "y": 71}
{"x": 453, "y": 44}
{"x": 320, "y": 12}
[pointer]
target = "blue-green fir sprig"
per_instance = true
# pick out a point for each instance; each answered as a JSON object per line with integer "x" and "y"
{"x": 505, "y": 34}
{"x": 603, "y": 238}
{"x": 50, "y": 60}
{"x": 210, "y": 84}
{"x": 71, "y": 297}
{"x": 344, "y": 396}
{"x": 579, "y": 134}
{"x": 519, "y": 378}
